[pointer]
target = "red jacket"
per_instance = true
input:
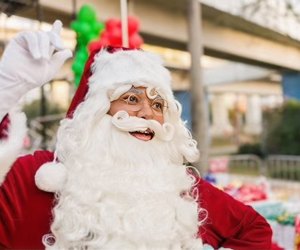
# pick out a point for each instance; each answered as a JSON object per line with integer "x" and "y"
{"x": 25, "y": 212}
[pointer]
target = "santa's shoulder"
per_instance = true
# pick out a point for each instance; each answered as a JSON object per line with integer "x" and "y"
{"x": 25, "y": 209}
{"x": 37, "y": 158}
{"x": 24, "y": 168}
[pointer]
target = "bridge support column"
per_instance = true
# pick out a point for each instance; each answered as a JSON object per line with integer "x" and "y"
{"x": 253, "y": 115}
{"x": 220, "y": 117}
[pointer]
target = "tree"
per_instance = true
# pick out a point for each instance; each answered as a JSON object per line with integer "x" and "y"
{"x": 281, "y": 133}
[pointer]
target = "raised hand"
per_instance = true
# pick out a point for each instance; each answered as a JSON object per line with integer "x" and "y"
{"x": 33, "y": 58}
{"x": 30, "y": 60}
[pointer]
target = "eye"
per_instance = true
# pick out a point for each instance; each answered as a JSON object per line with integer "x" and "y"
{"x": 158, "y": 105}
{"x": 131, "y": 99}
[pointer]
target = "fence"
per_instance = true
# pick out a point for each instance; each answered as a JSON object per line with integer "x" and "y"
{"x": 275, "y": 166}
{"x": 284, "y": 167}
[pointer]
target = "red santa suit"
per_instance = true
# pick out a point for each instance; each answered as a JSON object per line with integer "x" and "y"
{"x": 26, "y": 210}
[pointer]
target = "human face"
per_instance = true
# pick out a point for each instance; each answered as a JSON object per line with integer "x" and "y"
{"x": 137, "y": 103}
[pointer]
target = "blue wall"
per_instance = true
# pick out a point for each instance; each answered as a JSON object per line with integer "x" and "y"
{"x": 291, "y": 85}
{"x": 184, "y": 97}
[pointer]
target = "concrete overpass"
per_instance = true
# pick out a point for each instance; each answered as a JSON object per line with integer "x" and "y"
{"x": 164, "y": 23}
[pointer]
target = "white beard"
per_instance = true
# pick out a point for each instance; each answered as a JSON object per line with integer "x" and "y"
{"x": 123, "y": 193}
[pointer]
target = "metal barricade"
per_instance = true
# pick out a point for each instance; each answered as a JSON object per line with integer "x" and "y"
{"x": 238, "y": 164}
{"x": 283, "y": 167}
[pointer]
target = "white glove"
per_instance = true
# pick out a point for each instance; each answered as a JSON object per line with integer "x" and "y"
{"x": 30, "y": 60}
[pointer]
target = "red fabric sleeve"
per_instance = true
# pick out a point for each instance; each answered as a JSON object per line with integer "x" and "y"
{"x": 230, "y": 223}
{"x": 4, "y": 127}
{"x": 25, "y": 211}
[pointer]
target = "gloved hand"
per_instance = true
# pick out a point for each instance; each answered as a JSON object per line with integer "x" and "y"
{"x": 30, "y": 60}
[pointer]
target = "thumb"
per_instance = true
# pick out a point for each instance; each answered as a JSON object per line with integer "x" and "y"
{"x": 59, "y": 58}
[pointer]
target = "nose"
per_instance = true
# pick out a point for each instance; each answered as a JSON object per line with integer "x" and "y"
{"x": 146, "y": 111}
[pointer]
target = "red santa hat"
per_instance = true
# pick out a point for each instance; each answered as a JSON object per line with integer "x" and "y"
{"x": 106, "y": 70}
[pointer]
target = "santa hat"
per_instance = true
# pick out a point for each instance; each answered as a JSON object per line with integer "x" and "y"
{"x": 106, "y": 70}
{"x": 112, "y": 67}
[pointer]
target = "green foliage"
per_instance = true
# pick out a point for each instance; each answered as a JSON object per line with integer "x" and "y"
{"x": 281, "y": 133}
{"x": 251, "y": 148}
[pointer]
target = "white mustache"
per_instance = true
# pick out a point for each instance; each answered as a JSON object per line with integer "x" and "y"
{"x": 124, "y": 122}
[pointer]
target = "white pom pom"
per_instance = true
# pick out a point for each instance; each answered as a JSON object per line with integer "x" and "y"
{"x": 51, "y": 177}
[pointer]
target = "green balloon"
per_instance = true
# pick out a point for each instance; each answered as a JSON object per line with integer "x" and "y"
{"x": 87, "y": 28}
{"x": 87, "y": 13}
{"x": 76, "y": 67}
{"x": 84, "y": 28}
{"x": 77, "y": 80}
{"x": 74, "y": 25}
{"x": 97, "y": 27}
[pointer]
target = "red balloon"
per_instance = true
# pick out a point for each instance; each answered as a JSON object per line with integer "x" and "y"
{"x": 95, "y": 45}
{"x": 133, "y": 25}
{"x": 115, "y": 37}
{"x": 104, "y": 41}
{"x": 104, "y": 35}
{"x": 135, "y": 41}
{"x": 112, "y": 23}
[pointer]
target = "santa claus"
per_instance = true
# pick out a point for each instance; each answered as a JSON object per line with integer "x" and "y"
{"x": 117, "y": 178}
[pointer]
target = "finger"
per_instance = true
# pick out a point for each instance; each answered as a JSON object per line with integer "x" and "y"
{"x": 56, "y": 41}
{"x": 57, "y": 27}
{"x": 31, "y": 40}
{"x": 59, "y": 58}
{"x": 44, "y": 45}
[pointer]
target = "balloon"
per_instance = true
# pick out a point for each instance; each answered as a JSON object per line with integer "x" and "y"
{"x": 87, "y": 28}
{"x": 74, "y": 25}
{"x": 91, "y": 37}
{"x": 77, "y": 80}
{"x": 82, "y": 54}
{"x": 97, "y": 27}
{"x": 133, "y": 25}
{"x": 84, "y": 28}
{"x": 112, "y": 23}
{"x": 104, "y": 42}
{"x": 87, "y": 13}
{"x": 135, "y": 41}
{"x": 113, "y": 34}
{"x": 76, "y": 67}
{"x": 105, "y": 35}
{"x": 115, "y": 37}
{"x": 96, "y": 45}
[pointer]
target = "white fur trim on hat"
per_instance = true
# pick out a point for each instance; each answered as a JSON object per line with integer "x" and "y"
{"x": 136, "y": 67}
{"x": 51, "y": 177}
{"x": 11, "y": 147}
